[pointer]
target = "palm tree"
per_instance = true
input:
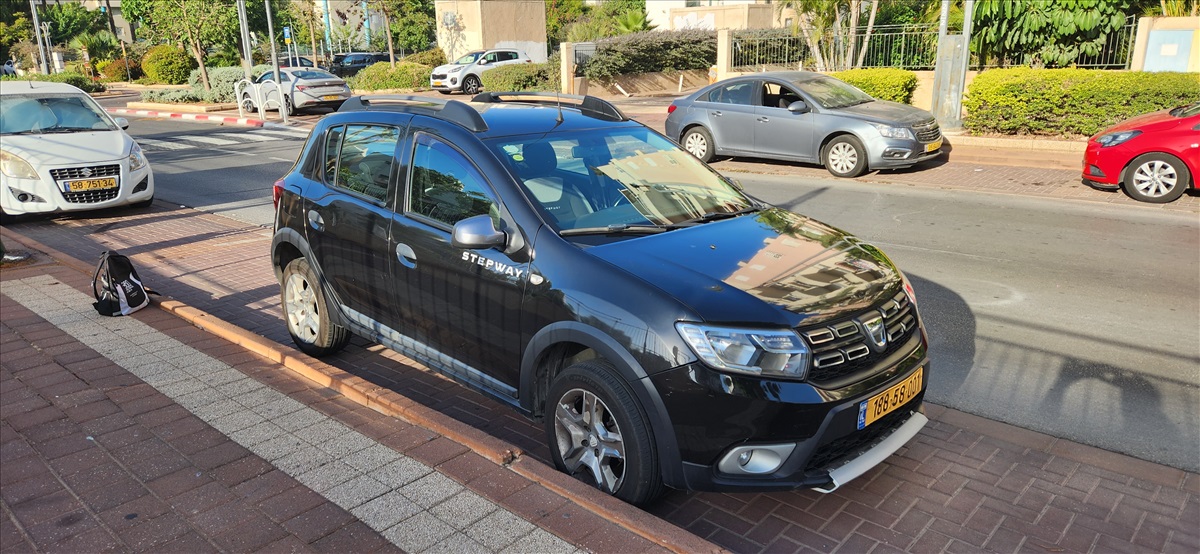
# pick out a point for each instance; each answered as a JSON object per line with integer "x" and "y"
{"x": 633, "y": 21}
{"x": 94, "y": 45}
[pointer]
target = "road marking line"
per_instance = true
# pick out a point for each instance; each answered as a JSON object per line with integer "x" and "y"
{"x": 209, "y": 140}
{"x": 162, "y": 144}
{"x": 248, "y": 136}
{"x": 280, "y": 132}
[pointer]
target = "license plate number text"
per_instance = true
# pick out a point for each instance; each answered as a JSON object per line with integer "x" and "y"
{"x": 871, "y": 409}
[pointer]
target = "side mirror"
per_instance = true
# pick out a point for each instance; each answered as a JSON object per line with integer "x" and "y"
{"x": 798, "y": 106}
{"x": 477, "y": 233}
{"x": 482, "y": 61}
{"x": 121, "y": 122}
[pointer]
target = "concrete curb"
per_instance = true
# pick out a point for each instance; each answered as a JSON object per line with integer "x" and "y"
{"x": 390, "y": 403}
{"x": 246, "y": 121}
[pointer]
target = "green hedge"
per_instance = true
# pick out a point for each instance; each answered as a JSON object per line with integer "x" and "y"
{"x": 884, "y": 83}
{"x": 521, "y": 76}
{"x": 652, "y": 51}
{"x": 114, "y": 70}
{"x": 1069, "y": 102}
{"x": 432, "y": 57}
{"x": 381, "y": 76}
{"x": 77, "y": 80}
{"x": 173, "y": 96}
{"x": 167, "y": 64}
{"x": 221, "y": 80}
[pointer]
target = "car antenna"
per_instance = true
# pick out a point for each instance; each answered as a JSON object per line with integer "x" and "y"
{"x": 558, "y": 102}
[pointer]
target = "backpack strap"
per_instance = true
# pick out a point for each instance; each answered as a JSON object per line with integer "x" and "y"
{"x": 96, "y": 277}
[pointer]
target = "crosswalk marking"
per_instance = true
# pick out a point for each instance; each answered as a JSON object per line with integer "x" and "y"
{"x": 250, "y": 137}
{"x": 162, "y": 144}
{"x": 283, "y": 133}
{"x": 209, "y": 140}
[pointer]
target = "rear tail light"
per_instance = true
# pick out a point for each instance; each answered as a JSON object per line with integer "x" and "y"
{"x": 302, "y": 87}
{"x": 671, "y": 108}
{"x": 276, "y": 192}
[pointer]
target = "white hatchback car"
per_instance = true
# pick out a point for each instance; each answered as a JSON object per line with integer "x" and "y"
{"x": 60, "y": 151}
{"x": 464, "y": 73}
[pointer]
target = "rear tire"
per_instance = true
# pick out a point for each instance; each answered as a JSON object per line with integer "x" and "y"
{"x": 699, "y": 143}
{"x": 1156, "y": 178}
{"x": 287, "y": 105}
{"x": 306, "y": 312}
{"x": 599, "y": 434}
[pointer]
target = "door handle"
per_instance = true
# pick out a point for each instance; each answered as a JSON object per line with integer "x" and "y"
{"x": 315, "y": 220}
{"x": 764, "y": 119}
{"x": 406, "y": 256}
{"x": 715, "y": 113}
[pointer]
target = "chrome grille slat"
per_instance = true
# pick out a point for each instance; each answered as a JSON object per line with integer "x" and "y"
{"x": 91, "y": 196}
{"x": 112, "y": 170}
{"x": 840, "y": 348}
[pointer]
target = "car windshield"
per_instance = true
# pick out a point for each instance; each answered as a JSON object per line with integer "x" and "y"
{"x": 312, "y": 75}
{"x": 832, "y": 93}
{"x": 618, "y": 179}
{"x": 1186, "y": 111}
{"x": 44, "y": 113}
{"x": 469, "y": 58}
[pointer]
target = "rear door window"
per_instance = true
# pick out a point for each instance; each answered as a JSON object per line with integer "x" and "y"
{"x": 359, "y": 159}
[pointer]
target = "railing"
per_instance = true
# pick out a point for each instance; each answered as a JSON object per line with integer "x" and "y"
{"x": 901, "y": 46}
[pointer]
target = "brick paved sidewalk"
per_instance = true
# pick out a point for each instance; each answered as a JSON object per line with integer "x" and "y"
{"x": 145, "y": 434}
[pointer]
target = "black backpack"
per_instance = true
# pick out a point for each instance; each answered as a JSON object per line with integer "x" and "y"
{"x": 117, "y": 287}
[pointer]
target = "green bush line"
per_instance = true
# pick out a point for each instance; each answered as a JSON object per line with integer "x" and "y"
{"x": 1069, "y": 102}
{"x": 381, "y": 76}
{"x": 167, "y": 64}
{"x": 884, "y": 83}
{"x": 652, "y": 51}
{"x": 77, "y": 80}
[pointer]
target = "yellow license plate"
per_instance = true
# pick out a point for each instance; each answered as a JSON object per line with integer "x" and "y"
{"x": 91, "y": 184}
{"x": 882, "y": 404}
{"x": 437, "y": 83}
{"x": 933, "y": 145}
{"x": 330, "y": 97}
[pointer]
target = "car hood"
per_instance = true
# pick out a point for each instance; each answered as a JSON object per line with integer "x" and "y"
{"x": 446, "y": 68}
{"x": 62, "y": 149}
{"x": 1142, "y": 121}
{"x": 772, "y": 267}
{"x": 883, "y": 111}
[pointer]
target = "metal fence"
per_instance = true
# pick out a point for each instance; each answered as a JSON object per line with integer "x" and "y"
{"x": 902, "y": 46}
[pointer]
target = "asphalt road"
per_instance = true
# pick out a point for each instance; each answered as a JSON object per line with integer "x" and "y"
{"x": 1075, "y": 319}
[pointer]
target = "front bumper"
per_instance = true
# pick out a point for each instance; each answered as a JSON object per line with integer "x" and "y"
{"x": 887, "y": 153}
{"x": 715, "y": 415}
{"x": 47, "y": 195}
{"x": 1102, "y": 166}
{"x": 332, "y": 99}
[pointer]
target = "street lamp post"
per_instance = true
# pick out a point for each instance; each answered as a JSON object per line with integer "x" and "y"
{"x": 37, "y": 29}
{"x": 275, "y": 62}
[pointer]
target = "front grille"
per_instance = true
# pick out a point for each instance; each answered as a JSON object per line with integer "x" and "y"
{"x": 861, "y": 440}
{"x": 840, "y": 349}
{"x": 438, "y": 76}
{"x": 928, "y": 131}
{"x": 91, "y": 196}
{"x": 86, "y": 172}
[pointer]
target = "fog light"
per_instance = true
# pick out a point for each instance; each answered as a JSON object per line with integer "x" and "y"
{"x": 1095, "y": 171}
{"x": 896, "y": 153}
{"x": 759, "y": 459}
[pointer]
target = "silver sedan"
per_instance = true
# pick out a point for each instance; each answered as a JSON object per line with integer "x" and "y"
{"x": 805, "y": 117}
{"x": 303, "y": 87}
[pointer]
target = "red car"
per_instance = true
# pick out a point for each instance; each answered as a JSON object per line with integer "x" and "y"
{"x": 1153, "y": 157}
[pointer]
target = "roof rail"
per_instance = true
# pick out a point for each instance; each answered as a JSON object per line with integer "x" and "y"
{"x": 589, "y": 105}
{"x": 441, "y": 108}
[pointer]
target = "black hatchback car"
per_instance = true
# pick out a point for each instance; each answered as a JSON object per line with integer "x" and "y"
{"x": 667, "y": 328}
{"x": 349, "y": 64}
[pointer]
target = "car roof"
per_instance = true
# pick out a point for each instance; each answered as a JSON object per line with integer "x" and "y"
{"x": 15, "y": 86}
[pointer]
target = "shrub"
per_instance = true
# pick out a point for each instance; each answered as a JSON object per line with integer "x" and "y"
{"x": 74, "y": 79}
{"x": 521, "y": 76}
{"x": 173, "y": 96}
{"x": 1069, "y": 102}
{"x": 884, "y": 83}
{"x": 432, "y": 57}
{"x": 221, "y": 80}
{"x": 652, "y": 51}
{"x": 167, "y": 64}
{"x": 381, "y": 76}
{"x": 114, "y": 70}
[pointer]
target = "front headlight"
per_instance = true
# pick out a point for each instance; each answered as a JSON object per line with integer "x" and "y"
{"x": 1113, "y": 139}
{"x": 137, "y": 160}
{"x": 757, "y": 352}
{"x": 893, "y": 132}
{"x": 456, "y": 69}
{"x": 16, "y": 167}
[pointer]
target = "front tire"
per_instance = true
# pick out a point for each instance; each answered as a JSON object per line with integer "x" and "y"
{"x": 845, "y": 156}
{"x": 1156, "y": 178}
{"x": 144, "y": 204}
{"x": 598, "y": 433}
{"x": 699, "y": 143}
{"x": 307, "y": 312}
{"x": 248, "y": 104}
{"x": 471, "y": 85}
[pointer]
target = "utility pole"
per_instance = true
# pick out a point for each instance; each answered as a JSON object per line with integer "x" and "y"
{"x": 37, "y": 29}
{"x": 243, "y": 22}
{"x": 275, "y": 62}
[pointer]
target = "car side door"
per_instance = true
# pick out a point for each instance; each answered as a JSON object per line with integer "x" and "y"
{"x": 349, "y": 215}
{"x": 780, "y": 132}
{"x": 729, "y": 111}
{"x": 463, "y": 305}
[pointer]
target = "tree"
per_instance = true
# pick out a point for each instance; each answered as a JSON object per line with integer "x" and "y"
{"x": 68, "y": 20}
{"x": 1047, "y": 33}
{"x": 15, "y": 26}
{"x": 633, "y": 21}
{"x": 560, "y": 14}
{"x": 198, "y": 24}
{"x": 415, "y": 26}
{"x": 831, "y": 28}
{"x": 93, "y": 46}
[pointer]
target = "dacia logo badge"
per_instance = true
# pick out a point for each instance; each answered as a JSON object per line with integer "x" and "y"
{"x": 876, "y": 331}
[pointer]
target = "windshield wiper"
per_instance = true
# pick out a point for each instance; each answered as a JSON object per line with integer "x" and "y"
{"x": 25, "y": 132}
{"x": 67, "y": 129}
{"x": 713, "y": 216}
{"x": 618, "y": 229}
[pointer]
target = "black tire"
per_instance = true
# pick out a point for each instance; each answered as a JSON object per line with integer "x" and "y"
{"x": 306, "y": 312}
{"x": 845, "y": 156}
{"x": 1156, "y": 178}
{"x": 471, "y": 85}
{"x": 248, "y": 104}
{"x": 699, "y": 143}
{"x": 629, "y": 467}
{"x": 287, "y": 105}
